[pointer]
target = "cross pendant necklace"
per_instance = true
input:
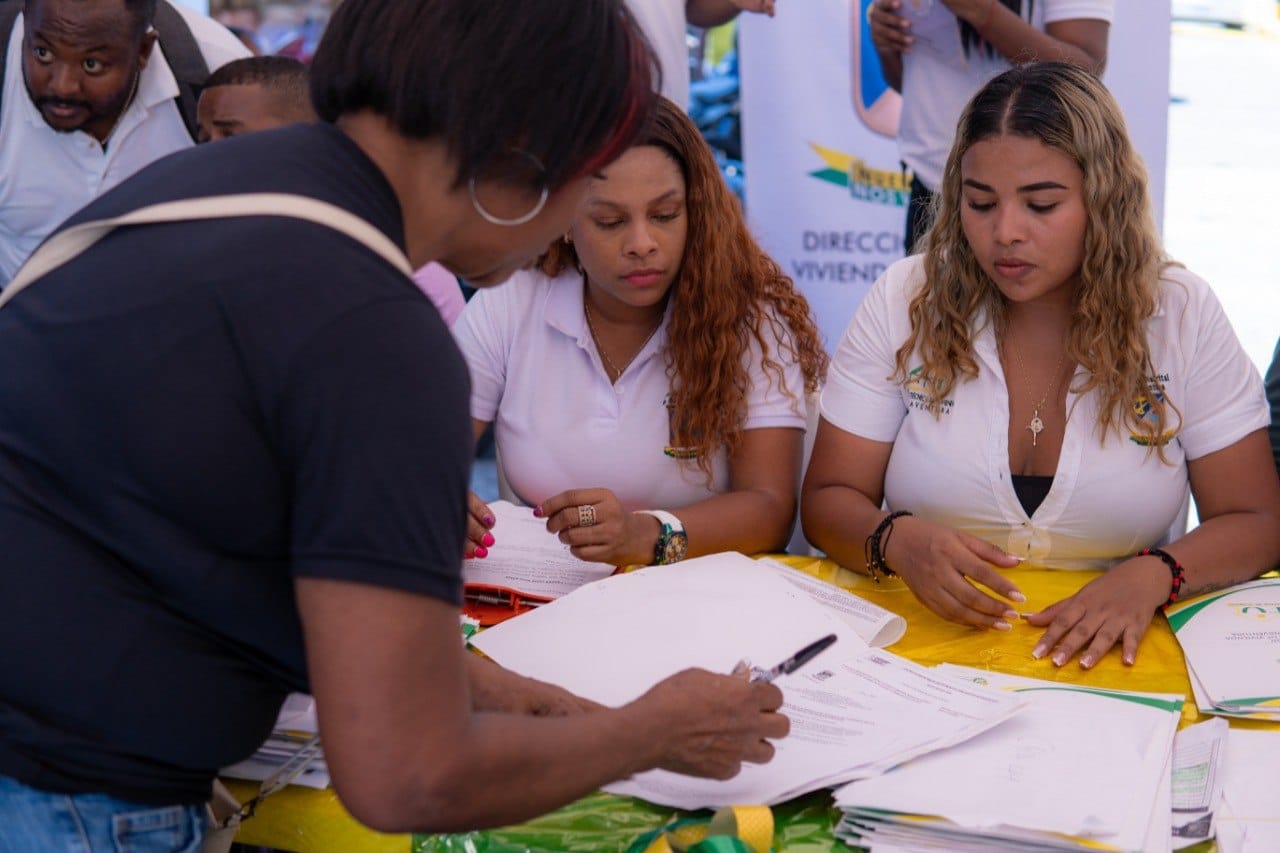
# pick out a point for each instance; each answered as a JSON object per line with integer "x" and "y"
{"x": 1036, "y": 425}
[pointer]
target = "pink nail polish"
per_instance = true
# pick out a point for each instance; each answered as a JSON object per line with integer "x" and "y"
{"x": 487, "y": 539}
{"x": 488, "y": 521}
{"x": 482, "y": 552}
{"x": 537, "y": 512}
{"x": 469, "y": 555}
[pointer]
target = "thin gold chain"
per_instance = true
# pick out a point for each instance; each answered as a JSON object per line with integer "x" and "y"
{"x": 615, "y": 373}
{"x": 128, "y": 102}
{"x": 1036, "y": 424}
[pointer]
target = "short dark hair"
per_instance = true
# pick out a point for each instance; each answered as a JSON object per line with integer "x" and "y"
{"x": 569, "y": 81}
{"x": 283, "y": 75}
{"x": 142, "y": 11}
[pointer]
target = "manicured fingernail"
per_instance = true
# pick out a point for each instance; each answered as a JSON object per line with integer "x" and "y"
{"x": 1038, "y": 652}
{"x": 1002, "y": 626}
{"x": 486, "y": 539}
{"x": 1086, "y": 661}
{"x": 1019, "y": 559}
{"x": 470, "y": 554}
{"x": 1026, "y": 614}
{"x": 482, "y": 552}
{"x": 1018, "y": 597}
{"x": 1010, "y": 615}
{"x": 488, "y": 521}
{"x": 1059, "y": 659}
{"x": 537, "y": 512}
{"x": 1128, "y": 659}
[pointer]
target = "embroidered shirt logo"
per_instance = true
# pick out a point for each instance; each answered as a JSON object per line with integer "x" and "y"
{"x": 672, "y": 449}
{"x": 1142, "y": 408}
{"x": 920, "y": 395}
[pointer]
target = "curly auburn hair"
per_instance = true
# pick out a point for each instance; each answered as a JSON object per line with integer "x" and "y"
{"x": 1068, "y": 109}
{"x": 725, "y": 292}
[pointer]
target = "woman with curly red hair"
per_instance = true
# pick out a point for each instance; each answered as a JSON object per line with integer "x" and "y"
{"x": 647, "y": 383}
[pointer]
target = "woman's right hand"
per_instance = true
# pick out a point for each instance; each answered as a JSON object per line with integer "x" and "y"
{"x": 479, "y": 520}
{"x": 705, "y": 724}
{"x": 941, "y": 564}
{"x": 890, "y": 32}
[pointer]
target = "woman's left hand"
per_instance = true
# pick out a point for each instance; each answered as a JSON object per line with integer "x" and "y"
{"x": 596, "y": 527}
{"x": 1114, "y": 608}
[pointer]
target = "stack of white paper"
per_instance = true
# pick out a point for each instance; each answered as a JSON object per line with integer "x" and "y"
{"x": 294, "y": 726}
{"x": 1231, "y": 641}
{"x": 854, "y": 711}
{"x": 1250, "y": 819}
{"x": 1078, "y": 769}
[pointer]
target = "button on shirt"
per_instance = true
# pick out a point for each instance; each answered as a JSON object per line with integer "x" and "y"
{"x": 1109, "y": 498}
{"x": 558, "y": 422}
{"x": 45, "y": 176}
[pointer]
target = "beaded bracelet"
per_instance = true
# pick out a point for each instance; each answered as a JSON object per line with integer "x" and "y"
{"x": 875, "y": 547}
{"x": 1175, "y": 569}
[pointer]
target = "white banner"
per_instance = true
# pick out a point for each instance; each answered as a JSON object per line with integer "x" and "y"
{"x": 825, "y": 191}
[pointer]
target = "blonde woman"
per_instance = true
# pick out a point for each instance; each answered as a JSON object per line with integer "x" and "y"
{"x": 1043, "y": 385}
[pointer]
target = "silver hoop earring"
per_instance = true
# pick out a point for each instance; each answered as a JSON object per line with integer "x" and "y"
{"x": 519, "y": 220}
{"x": 498, "y": 220}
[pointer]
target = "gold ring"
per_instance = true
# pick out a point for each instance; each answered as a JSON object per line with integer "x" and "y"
{"x": 586, "y": 515}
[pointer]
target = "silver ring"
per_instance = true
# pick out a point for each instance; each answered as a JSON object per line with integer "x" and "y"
{"x": 586, "y": 515}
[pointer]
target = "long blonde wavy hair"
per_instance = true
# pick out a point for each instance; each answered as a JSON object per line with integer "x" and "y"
{"x": 1067, "y": 109}
{"x": 727, "y": 289}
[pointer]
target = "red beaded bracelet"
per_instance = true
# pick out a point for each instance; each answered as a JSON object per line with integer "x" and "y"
{"x": 1175, "y": 569}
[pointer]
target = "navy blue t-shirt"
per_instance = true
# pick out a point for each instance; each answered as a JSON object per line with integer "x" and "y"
{"x": 191, "y": 416}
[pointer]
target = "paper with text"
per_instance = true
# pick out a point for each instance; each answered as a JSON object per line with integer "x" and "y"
{"x": 879, "y": 627}
{"x": 527, "y": 560}
{"x": 853, "y": 710}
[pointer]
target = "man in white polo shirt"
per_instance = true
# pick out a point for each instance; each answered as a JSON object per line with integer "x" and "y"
{"x": 88, "y": 99}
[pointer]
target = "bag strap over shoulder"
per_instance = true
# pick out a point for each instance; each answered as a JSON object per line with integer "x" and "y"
{"x": 66, "y": 245}
{"x": 9, "y": 11}
{"x": 184, "y": 58}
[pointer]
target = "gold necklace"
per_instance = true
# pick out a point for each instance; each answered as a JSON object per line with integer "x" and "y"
{"x": 1036, "y": 425}
{"x": 128, "y": 102}
{"x": 615, "y": 373}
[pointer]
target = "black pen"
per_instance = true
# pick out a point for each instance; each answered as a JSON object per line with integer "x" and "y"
{"x": 794, "y": 662}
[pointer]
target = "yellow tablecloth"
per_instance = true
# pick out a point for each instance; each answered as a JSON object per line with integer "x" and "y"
{"x": 308, "y": 821}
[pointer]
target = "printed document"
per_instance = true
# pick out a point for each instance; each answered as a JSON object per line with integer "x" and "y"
{"x": 877, "y": 626}
{"x": 853, "y": 711}
{"x": 527, "y": 560}
{"x": 1077, "y": 767}
{"x": 1231, "y": 640}
{"x": 1250, "y": 818}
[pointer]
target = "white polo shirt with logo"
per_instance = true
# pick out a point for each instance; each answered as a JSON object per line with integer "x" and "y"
{"x": 45, "y": 175}
{"x": 558, "y": 422}
{"x": 1109, "y": 498}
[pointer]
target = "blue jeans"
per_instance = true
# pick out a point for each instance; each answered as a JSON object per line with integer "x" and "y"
{"x": 34, "y": 821}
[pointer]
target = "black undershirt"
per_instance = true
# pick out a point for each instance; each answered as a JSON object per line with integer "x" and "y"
{"x": 1031, "y": 490}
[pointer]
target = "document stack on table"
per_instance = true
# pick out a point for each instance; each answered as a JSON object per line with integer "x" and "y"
{"x": 1079, "y": 768}
{"x": 293, "y": 735}
{"x": 855, "y": 711}
{"x": 1231, "y": 640}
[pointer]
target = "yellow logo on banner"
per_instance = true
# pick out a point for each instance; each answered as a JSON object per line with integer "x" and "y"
{"x": 879, "y": 186}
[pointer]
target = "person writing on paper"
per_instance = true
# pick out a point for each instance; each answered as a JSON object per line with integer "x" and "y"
{"x": 648, "y": 381}
{"x": 963, "y": 44}
{"x": 233, "y": 463}
{"x": 1044, "y": 385}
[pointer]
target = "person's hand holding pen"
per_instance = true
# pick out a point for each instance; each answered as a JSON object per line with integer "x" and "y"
{"x": 707, "y": 724}
{"x": 788, "y": 666}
